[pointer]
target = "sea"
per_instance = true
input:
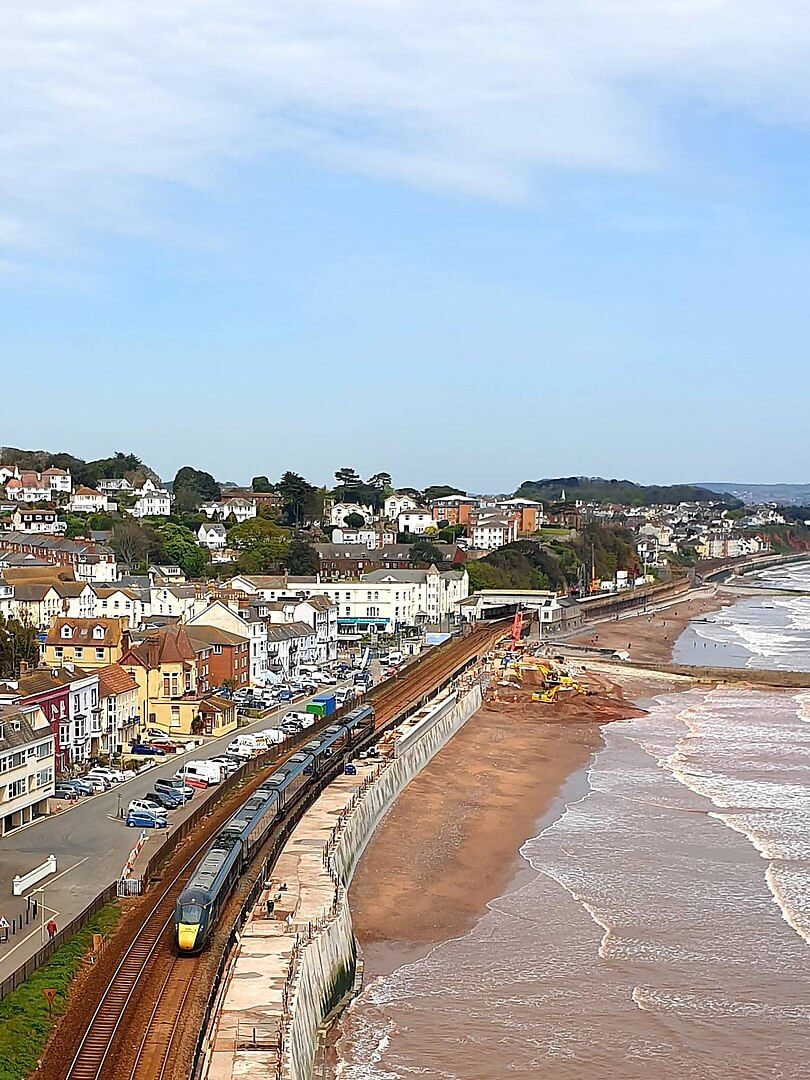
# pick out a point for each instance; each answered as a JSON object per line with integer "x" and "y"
{"x": 660, "y": 928}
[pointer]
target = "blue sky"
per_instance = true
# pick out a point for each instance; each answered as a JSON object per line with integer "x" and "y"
{"x": 470, "y": 243}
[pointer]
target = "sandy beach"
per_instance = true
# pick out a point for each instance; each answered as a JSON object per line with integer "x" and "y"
{"x": 652, "y": 637}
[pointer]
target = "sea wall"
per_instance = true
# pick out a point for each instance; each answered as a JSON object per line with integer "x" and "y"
{"x": 323, "y": 967}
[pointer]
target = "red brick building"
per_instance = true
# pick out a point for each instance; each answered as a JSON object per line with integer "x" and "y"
{"x": 221, "y": 656}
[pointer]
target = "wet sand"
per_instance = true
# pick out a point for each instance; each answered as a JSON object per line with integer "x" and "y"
{"x": 451, "y": 842}
{"x": 651, "y": 638}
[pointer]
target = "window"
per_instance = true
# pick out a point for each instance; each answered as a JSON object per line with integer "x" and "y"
{"x": 166, "y": 686}
{"x": 59, "y": 652}
{"x": 17, "y": 788}
{"x": 217, "y": 650}
{"x": 78, "y": 651}
{"x": 67, "y": 631}
{"x": 99, "y": 654}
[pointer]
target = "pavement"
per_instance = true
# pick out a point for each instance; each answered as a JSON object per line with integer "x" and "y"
{"x": 91, "y": 844}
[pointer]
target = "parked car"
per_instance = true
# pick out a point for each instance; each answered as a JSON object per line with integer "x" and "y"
{"x": 82, "y": 786}
{"x": 165, "y": 744}
{"x": 326, "y": 679}
{"x": 66, "y": 792}
{"x": 146, "y": 806}
{"x": 174, "y": 786}
{"x": 98, "y": 783}
{"x": 147, "y": 748}
{"x": 229, "y": 763}
{"x": 113, "y": 775}
{"x": 199, "y": 773}
{"x": 142, "y": 819}
{"x": 167, "y": 799}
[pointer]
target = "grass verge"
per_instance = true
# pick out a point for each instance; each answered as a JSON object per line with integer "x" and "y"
{"x": 25, "y": 1024}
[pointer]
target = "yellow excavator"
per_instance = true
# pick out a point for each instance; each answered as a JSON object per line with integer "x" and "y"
{"x": 551, "y": 693}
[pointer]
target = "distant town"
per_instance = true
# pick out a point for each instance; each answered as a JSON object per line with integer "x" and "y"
{"x": 129, "y": 604}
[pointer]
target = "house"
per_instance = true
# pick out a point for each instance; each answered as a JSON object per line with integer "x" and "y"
{"x": 340, "y": 511}
{"x": 27, "y": 765}
{"x": 152, "y": 503}
{"x": 248, "y": 621}
{"x": 86, "y": 500}
{"x": 29, "y": 487}
{"x": 88, "y": 561}
{"x": 289, "y": 645}
{"x": 415, "y": 521}
{"x": 88, "y": 643}
{"x": 317, "y": 611}
{"x": 399, "y": 503}
{"x": 490, "y": 531}
{"x": 265, "y": 586}
{"x": 228, "y": 659}
{"x": 163, "y": 663}
{"x": 239, "y": 508}
{"x": 176, "y": 601}
{"x": 115, "y": 601}
{"x": 372, "y": 537}
{"x": 212, "y": 535}
{"x": 58, "y": 479}
{"x": 114, "y": 485}
{"x": 167, "y": 574}
{"x": 118, "y": 700}
{"x": 41, "y": 520}
{"x": 454, "y": 509}
{"x": 68, "y": 696}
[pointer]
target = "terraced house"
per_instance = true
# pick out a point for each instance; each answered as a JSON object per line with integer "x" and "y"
{"x": 88, "y": 643}
{"x": 26, "y": 765}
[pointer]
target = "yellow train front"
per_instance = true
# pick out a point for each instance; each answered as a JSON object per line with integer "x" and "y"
{"x": 192, "y": 921}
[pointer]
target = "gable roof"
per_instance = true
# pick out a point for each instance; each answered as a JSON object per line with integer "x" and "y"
{"x": 83, "y": 632}
{"x": 114, "y": 680}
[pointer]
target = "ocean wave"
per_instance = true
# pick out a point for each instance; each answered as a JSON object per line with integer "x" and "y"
{"x": 790, "y": 885}
{"x": 701, "y": 1005}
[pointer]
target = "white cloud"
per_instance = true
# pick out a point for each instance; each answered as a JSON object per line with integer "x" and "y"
{"x": 100, "y": 100}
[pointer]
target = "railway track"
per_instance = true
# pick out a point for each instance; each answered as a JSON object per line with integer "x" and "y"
{"x": 155, "y": 1036}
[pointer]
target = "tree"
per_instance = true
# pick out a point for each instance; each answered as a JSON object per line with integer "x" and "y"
{"x": 131, "y": 542}
{"x": 178, "y": 545}
{"x": 439, "y": 491}
{"x": 192, "y": 487}
{"x": 300, "y": 500}
{"x": 380, "y": 480}
{"x": 261, "y": 484}
{"x": 354, "y": 521}
{"x": 423, "y": 551}
{"x": 262, "y": 546}
{"x": 347, "y": 477}
{"x": 18, "y": 644}
{"x": 302, "y": 559}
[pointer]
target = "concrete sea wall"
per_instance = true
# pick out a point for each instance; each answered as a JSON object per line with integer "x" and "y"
{"x": 323, "y": 968}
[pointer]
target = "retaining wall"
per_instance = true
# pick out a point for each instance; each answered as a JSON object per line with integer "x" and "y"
{"x": 325, "y": 964}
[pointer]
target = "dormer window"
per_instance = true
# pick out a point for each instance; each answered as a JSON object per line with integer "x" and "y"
{"x": 67, "y": 631}
{"x": 98, "y": 633}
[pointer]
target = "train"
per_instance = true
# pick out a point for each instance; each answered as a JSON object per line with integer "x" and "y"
{"x": 216, "y": 875}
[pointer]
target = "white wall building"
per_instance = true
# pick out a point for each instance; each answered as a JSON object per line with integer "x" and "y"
{"x": 340, "y": 511}
{"x": 87, "y": 500}
{"x": 153, "y": 503}
{"x": 241, "y": 509}
{"x": 415, "y": 521}
{"x": 27, "y": 765}
{"x": 397, "y": 504}
{"x": 212, "y": 535}
{"x": 490, "y": 533}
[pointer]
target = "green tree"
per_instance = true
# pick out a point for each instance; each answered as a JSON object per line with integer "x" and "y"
{"x": 380, "y": 480}
{"x": 192, "y": 487}
{"x": 423, "y": 551}
{"x": 355, "y": 521}
{"x": 439, "y": 491}
{"x": 178, "y": 545}
{"x": 262, "y": 546}
{"x": 302, "y": 559}
{"x": 261, "y": 484}
{"x": 18, "y": 644}
{"x": 347, "y": 477}
{"x": 300, "y": 500}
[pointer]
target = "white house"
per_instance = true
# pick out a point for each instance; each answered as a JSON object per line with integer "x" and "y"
{"x": 113, "y": 601}
{"x": 112, "y": 484}
{"x": 40, "y": 520}
{"x": 317, "y": 611}
{"x": 178, "y": 601}
{"x": 490, "y": 533}
{"x": 120, "y": 715}
{"x": 241, "y": 509}
{"x": 27, "y": 765}
{"x": 340, "y": 511}
{"x": 289, "y": 645}
{"x": 372, "y": 538}
{"x": 153, "y": 503}
{"x": 399, "y": 503}
{"x": 212, "y": 535}
{"x": 87, "y": 500}
{"x": 415, "y": 521}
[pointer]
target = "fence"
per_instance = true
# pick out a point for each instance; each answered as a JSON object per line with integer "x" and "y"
{"x": 46, "y": 952}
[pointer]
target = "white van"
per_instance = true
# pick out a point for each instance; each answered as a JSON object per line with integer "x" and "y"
{"x": 273, "y": 735}
{"x": 244, "y": 746}
{"x": 199, "y": 773}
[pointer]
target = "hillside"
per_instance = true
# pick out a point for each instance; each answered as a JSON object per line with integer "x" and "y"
{"x": 83, "y": 472}
{"x": 623, "y": 492}
{"x": 784, "y": 494}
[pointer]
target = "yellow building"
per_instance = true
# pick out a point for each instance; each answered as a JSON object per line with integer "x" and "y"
{"x": 88, "y": 643}
{"x": 164, "y": 665}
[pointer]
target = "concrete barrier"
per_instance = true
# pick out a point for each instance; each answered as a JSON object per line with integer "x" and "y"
{"x": 23, "y": 882}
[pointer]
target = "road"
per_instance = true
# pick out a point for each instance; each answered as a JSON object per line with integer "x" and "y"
{"x": 91, "y": 844}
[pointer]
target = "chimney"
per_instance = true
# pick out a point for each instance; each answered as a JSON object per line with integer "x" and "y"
{"x": 23, "y": 667}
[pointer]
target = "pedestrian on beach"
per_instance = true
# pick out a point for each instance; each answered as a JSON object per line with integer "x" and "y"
{"x": 51, "y": 928}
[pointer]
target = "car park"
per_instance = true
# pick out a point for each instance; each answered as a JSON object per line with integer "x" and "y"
{"x": 142, "y": 819}
{"x": 173, "y": 786}
{"x": 147, "y": 806}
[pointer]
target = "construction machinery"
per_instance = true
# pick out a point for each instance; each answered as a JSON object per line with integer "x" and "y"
{"x": 551, "y": 693}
